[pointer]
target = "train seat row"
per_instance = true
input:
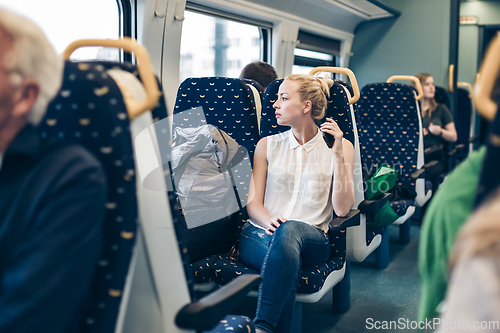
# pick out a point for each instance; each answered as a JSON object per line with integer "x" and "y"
{"x": 194, "y": 92}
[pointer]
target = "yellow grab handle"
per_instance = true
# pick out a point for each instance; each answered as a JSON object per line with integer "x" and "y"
{"x": 146, "y": 74}
{"x": 451, "y": 69}
{"x": 466, "y": 85}
{"x": 341, "y": 70}
{"x": 414, "y": 79}
{"x": 486, "y": 79}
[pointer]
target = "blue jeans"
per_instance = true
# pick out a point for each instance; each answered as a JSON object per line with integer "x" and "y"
{"x": 280, "y": 259}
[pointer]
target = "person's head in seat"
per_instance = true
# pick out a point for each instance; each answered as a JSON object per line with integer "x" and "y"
{"x": 259, "y": 71}
{"x": 30, "y": 75}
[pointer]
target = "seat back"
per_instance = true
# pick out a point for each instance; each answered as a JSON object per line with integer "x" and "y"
{"x": 390, "y": 130}
{"x": 160, "y": 110}
{"x": 490, "y": 178}
{"x": 226, "y": 102}
{"x": 257, "y": 86}
{"x": 229, "y": 105}
{"x": 463, "y": 123}
{"x": 268, "y": 123}
{"x": 89, "y": 109}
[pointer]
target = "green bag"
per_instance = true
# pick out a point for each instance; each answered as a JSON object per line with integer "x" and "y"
{"x": 385, "y": 216}
{"x": 382, "y": 181}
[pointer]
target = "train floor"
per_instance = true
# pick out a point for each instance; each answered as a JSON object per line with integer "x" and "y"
{"x": 392, "y": 294}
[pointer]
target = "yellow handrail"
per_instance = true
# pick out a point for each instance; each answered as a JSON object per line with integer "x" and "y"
{"x": 484, "y": 85}
{"x": 341, "y": 70}
{"x": 451, "y": 70}
{"x": 146, "y": 73}
{"x": 468, "y": 86}
{"x": 414, "y": 79}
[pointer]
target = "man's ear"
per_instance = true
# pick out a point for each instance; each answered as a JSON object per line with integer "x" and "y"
{"x": 25, "y": 97}
{"x": 307, "y": 106}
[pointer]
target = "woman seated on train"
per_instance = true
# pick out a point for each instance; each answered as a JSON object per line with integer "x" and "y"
{"x": 437, "y": 124}
{"x": 298, "y": 184}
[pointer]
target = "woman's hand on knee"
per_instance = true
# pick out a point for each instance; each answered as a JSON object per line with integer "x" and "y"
{"x": 274, "y": 223}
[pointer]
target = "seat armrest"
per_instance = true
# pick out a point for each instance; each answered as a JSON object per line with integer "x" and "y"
{"x": 373, "y": 206}
{"x": 420, "y": 173}
{"x": 350, "y": 220}
{"x": 431, "y": 150}
{"x": 455, "y": 149}
{"x": 206, "y": 313}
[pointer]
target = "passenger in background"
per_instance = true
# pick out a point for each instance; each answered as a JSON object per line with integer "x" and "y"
{"x": 298, "y": 184}
{"x": 52, "y": 194}
{"x": 473, "y": 296}
{"x": 437, "y": 125}
{"x": 259, "y": 71}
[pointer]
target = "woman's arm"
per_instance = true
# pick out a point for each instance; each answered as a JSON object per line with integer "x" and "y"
{"x": 255, "y": 207}
{"x": 448, "y": 133}
{"x": 343, "y": 183}
{"x": 343, "y": 163}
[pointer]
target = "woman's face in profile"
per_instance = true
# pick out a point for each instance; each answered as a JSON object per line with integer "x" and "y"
{"x": 288, "y": 105}
{"x": 429, "y": 88}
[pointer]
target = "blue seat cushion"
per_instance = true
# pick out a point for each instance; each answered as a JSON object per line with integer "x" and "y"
{"x": 203, "y": 269}
{"x": 371, "y": 233}
{"x": 311, "y": 280}
{"x": 428, "y": 186}
{"x": 233, "y": 323}
{"x": 401, "y": 206}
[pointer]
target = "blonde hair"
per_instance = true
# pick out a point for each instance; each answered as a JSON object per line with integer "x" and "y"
{"x": 33, "y": 56}
{"x": 422, "y": 77}
{"x": 313, "y": 89}
{"x": 480, "y": 236}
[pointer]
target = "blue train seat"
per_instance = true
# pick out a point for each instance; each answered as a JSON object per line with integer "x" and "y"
{"x": 268, "y": 124}
{"x": 90, "y": 110}
{"x": 464, "y": 124}
{"x": 390, "y": 134}
{"x": 362, "y": 240}
{"x": 229, "y": 105}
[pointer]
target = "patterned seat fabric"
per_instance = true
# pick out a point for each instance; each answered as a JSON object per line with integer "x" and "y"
{"x": 160, "y": 111}
{"x": 228, "y": 104}
{"x": 257, "y": 86}
{"x": 342, "y": 106}
{"x": 89, "y": 109}
{"x": 389, "y": 129}
{"x": 238, "y": 324}
{"x": 268, "y": 123}
{"x": 312, "y": 278}
{"x": 234, "y": 324}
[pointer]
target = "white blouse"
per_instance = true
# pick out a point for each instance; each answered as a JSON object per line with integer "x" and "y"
{"x": 299, "y": 179}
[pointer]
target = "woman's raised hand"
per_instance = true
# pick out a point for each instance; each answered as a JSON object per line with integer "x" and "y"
{"x": 331, "y": 127}
{"x": 435, "y": 129}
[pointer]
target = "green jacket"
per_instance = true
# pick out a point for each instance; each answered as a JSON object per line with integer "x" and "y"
{"x": 447, "y": 212}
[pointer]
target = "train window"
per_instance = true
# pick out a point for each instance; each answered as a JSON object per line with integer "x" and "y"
{"x": 313, "y": 51}
{"x": 219, "y": 44}
{"x": 306, "y": 60}
{"x": 58, "y": 20}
